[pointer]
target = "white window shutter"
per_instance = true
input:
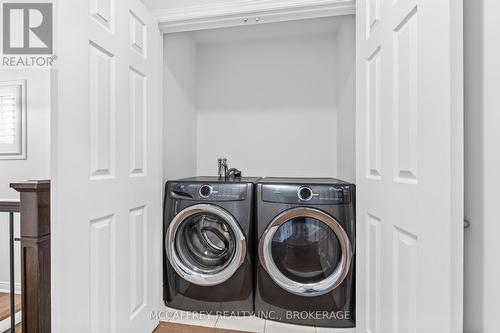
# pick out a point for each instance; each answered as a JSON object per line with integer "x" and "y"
{"x": 8, "y": 119}
{"x": 12, "y": 120}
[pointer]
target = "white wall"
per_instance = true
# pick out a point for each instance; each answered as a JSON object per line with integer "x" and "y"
{"x": 267, "y": 97}
{"x": 268, "y": 106}
{"x": 482, "y": 155}
{"x": 172, "y": 4}
{"x": 37, "y": 164}
{"x": 346, "y": 99}
{"x": 179, "y": 104}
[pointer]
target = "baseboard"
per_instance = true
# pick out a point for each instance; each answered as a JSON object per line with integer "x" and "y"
{"x": 5, "y": 287}
{"x": 5, "y": 324}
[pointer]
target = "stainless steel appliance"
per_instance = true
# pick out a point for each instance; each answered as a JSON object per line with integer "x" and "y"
{"x": 208, "y": 262}
{"x": 306, "y": 240}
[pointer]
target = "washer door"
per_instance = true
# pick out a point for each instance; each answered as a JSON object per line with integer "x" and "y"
{"x": 305, "y": 251}
{"x": 205, "y": 244}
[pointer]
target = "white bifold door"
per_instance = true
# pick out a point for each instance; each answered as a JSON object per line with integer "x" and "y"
{"x": 106, "y": 159}
{"x": 409, "y": 166}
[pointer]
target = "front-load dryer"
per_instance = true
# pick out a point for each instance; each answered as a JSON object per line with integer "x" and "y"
{"x": 207, "y": 261}
{"x": 305, "y": 267}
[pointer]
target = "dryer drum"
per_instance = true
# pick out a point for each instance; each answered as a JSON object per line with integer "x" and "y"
{"x": 205, "y": 245}
{"x": 305, "y": 251}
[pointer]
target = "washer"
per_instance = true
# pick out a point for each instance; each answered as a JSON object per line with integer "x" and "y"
{"x": 306, "y": 240}
{"x": 207, "y": 259}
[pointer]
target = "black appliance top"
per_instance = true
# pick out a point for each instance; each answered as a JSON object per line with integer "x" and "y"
{"x": 216, "y": 179}
{"x": 306, "y": 191}
{"x": 210, "y": 188}
{"x": 302, "y": 181}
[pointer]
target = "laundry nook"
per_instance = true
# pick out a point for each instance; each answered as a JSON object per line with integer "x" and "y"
{"x": 267, "y": 166}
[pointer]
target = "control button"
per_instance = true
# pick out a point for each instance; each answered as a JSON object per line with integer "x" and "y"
{"x": 205, "y": 191}
{"x": 305, "y": 193}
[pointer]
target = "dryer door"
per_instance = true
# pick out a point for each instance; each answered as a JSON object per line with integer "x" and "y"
{"x": 305, "y": 251}
{"x": 205, "y": 245}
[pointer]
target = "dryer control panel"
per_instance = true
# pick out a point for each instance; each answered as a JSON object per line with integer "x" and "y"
{"x": 307, "y": 194}
{"x": 209, "y": 191}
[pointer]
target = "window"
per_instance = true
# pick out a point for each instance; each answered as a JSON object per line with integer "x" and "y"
{"x": 12, "y": 120}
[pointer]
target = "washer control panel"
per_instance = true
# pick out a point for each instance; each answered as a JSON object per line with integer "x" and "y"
{"x": 209, "y": 191}
{"x": 205, "y": 190}
{"x": 307, "y": 194}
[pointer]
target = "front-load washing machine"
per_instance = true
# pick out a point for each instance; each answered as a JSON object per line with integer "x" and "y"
{"x": 207, "y": 259}
{"x": 305, "y": 235}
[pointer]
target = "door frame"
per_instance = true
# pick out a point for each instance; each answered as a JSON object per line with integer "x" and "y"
{"x": 226, "y": 16}
{"x": 239, "y": 13}
{"x": 265, "y": 11}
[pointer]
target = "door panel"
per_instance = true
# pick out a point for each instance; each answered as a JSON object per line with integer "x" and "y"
{"x": 409, "y": 166}
{"x": 107, "y": 180}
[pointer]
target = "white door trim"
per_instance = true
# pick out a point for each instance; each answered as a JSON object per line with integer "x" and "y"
{"x": 237, "y": 13}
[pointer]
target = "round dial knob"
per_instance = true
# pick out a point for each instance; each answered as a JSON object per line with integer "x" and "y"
{"x": 205, "y": 191}
{"x": 305, "y": 193}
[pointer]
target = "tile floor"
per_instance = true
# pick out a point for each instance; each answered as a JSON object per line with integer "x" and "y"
{"x": 248, "y": 324}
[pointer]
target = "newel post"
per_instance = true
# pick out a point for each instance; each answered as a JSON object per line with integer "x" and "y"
{"x": 35, "y": 255}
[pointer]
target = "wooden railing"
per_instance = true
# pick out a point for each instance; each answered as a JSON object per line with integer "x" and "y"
{"x": 34, "y": 208}
{"x": 11, "y": 207}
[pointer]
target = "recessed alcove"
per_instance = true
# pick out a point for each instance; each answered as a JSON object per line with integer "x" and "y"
{"x": 276, "y": 99}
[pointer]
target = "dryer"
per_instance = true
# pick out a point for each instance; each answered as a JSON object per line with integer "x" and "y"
{"x": 306, "y": 240}
{"x": 207, "y": 261}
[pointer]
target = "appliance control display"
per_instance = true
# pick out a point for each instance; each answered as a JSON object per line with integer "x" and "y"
{"x": 305, "y": 193}
{"x": 209, "y": 192}
{"x": 314, "y": 194}
{"x": 205, "y": 191}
